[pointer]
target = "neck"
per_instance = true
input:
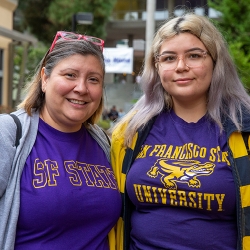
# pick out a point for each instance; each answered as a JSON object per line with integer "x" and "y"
{"x": 190, "y": 113}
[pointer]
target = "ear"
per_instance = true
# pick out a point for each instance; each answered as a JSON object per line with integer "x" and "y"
{"x": 44, "y": 78}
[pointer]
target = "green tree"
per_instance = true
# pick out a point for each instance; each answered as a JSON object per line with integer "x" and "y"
{"x": 35, "y": 54}
{"x": 34, "y": 18}
{"x": 44, "y": 17}
{"x": 61, "y": 11}
{"x": 234, "y": 23}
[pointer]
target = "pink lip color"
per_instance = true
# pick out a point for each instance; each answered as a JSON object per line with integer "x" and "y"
{"x": 182, "y": 80}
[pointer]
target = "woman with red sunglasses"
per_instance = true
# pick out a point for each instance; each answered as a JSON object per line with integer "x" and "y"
{"x": 57, "y": 187}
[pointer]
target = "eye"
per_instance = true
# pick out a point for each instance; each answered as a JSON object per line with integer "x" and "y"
{"x": 94, "y": 80}
{"x": 70, "y": 75}
{"x": 167, "y": 58}
{"x": 194, "y": 55}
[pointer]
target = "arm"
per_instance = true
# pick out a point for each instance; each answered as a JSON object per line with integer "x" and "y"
{"x": 7, "y": 149}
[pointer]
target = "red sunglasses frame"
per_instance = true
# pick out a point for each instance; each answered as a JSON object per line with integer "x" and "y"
{"x": 97, "y": 41}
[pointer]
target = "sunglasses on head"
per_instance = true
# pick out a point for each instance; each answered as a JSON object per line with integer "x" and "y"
{"x": 70, "y": 36}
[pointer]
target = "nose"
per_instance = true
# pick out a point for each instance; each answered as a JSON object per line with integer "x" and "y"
{"x": 181, "y": 64}
{"x": 81, "y": 87}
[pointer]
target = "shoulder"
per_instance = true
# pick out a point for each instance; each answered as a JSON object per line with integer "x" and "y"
{"x": 7, "y": 128}
{"x": 100, "y": 137}
{"x": 24, "y": 117}
{"x": 29, "y": 125}
{"x": 121, "y": 126}
{"x": 7, "y": 122}
{"x": 10, "y": 130}
{"x": 95, "y": 130}
{"x": 244, "y": 120}
{"x": 21, "y": 115}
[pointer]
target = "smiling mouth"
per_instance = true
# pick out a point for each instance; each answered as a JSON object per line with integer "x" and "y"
{"x": 76, "y": 101}
{"x": 183, "y": 80}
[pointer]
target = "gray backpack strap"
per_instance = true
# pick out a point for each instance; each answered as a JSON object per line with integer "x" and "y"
{"x": 18, "y": 130}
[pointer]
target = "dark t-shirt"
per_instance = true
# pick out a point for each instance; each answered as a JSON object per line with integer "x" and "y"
{"x": 113, "y": 114}
{"x": 69, "y": 196}
{"x": 182, "y": 186}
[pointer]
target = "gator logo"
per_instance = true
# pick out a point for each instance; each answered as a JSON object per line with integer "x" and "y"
{"x": 179, "y": 172}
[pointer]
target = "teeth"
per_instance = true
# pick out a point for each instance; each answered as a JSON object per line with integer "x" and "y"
{"x": 77, "y": 102}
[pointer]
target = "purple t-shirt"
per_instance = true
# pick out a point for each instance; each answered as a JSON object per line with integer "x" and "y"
{"x": 182, "y": 186}
{"x": 69, "y": 195}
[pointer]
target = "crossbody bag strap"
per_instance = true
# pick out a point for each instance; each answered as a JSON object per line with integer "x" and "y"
{"x": 18, "y": 130}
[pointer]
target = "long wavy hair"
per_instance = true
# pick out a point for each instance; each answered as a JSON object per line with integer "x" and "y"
{"x": 35, "y": 97}
{"x": 226, "y": 96}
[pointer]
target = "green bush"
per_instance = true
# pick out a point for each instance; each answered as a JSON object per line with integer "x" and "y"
{"x": 104, "y": 124}
{"x": 242, "y": 60}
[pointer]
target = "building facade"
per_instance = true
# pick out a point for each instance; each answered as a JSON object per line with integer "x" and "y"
{"x": 8, "y": 39}
{"x": 129, "y": 22}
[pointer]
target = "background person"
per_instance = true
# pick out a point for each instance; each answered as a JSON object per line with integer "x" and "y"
{"x": 121, "y": 113}
{"x": 57, "y": 189}
{"x": 138, "y": 79}
{"x": 181, "y": 148}
{"x": 113, "y": 113}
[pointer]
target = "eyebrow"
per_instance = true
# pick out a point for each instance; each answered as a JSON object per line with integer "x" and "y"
{"x": 95, "y": 73}
{"x": 189, "y": 50}
{"x": 77, "y": 70}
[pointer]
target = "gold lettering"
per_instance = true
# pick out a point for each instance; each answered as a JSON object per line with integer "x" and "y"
{"x": 192, "y": 202}
{"x": 154, "y": 189}
{"x": 163, "y": 195}
{"x": 161, "y": 150}
{"x": 176, "y": 153}
{"x": 155, "y": 150}
{"x": 147, "y": 193}
{"x": 208, "y": 198}
{"x": 111, "y": 178}
{"x": 103, "y": 179}
{"x": 218, "y": 154}
{"x": 220, "y": 198}
{"x": 212, "y": 156}
{"x": 182, "y": 155}
{"x": 138, "y": 193}
{"x": 40, "y": 173}
{"x": 203, "y": 152}
{"x": 196, "y": 151}
{"x": 172, "y": 196}
{"x": 182, "y": 198}
{"x": 143, "y": 153}
{"x": 200, "y": 200}
{"x": 52, "y": 170}
{"x": 190, "y": 152}
{"x": 99, "y": 180}
{"x": 225, "y": 158}
{"x": 86, "y": 171}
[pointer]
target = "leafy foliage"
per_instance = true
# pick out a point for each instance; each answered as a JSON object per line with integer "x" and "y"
{"x": 242, "y": 61}
{"x": 235, "y": 26}
{"x": 35, "y": 18}
{"x": 45, "y": 17}
{"x": 35, "y": 55}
